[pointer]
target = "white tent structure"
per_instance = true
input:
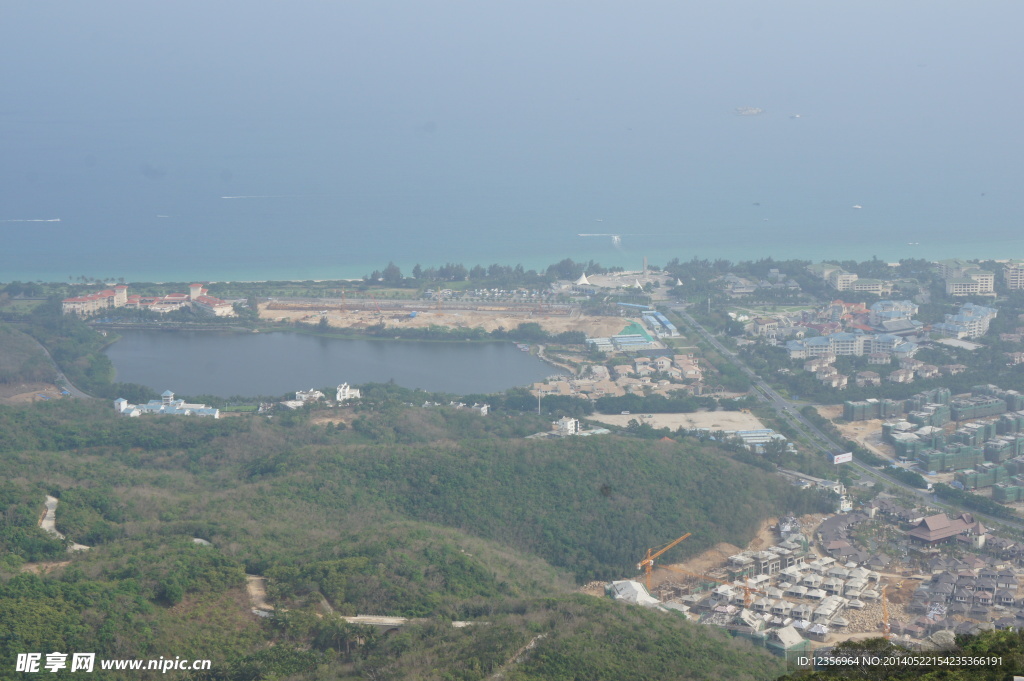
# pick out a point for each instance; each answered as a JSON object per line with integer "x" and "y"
{"x": 631, "y": 592}
{"x": 582, "y": 281}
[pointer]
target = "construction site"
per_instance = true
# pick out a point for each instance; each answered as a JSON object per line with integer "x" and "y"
{"x": 361, "y": 313}
{"x": 795, "y": 589}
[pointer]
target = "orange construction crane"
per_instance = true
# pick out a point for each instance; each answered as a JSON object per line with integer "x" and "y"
{"x": 376, "y": 304}
{"x": 647, "y": 564}
{"x": 747, "y": 589}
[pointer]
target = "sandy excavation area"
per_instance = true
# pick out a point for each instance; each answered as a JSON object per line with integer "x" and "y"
{"x": 867, "y": 433}
{"x": 594, "y": 327}
{"x": 714, "y": 420}
{"x": 20, "y": 393}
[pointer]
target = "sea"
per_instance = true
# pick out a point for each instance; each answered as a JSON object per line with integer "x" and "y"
{"x": 308, "y": 140}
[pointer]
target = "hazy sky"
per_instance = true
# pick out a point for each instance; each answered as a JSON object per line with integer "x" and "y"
{"x": 422, "y": 116}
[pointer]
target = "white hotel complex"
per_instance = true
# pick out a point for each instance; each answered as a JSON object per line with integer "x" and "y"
{"x": 857, "y": 344}
{"x": 1013, "y": 273}
{"x": 115, "y": 297}
{"x": 166, "y": 405}
{"x": 965, "y": 278}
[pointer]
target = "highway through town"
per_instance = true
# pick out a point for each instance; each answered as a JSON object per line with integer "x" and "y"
{"x": 790, "y": 412}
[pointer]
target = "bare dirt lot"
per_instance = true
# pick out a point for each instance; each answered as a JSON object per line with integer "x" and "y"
{"x": 866, "y": 433}
{"x": 830, "y": 411}
{"x": 718, "y": 555}
{"x": 714, "y": 557}
{"x": 345, "y": 416}
{"x": 256, "y": 586}
{"x": 714, "y": 420}
{"x": 594, "y": 327}
{"x": 43, "y": 568}
{"x": 20, "y": 393}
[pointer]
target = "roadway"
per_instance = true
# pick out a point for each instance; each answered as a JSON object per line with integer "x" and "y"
{"x": 789, "y": 412}
{"x": 61, "y": 380}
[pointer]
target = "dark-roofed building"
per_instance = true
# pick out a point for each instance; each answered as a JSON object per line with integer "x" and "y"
{"x": 1007, "y": 580}
{"x": 1005, "y": 623}
{"x": 966, "y": 628}
{"x": 939, "y": 529}
{"x": 1005, "y": 597}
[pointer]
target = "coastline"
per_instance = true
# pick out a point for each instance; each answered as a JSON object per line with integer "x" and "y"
{"x": 543, "y": 357}
{"x": 725, "y": 246}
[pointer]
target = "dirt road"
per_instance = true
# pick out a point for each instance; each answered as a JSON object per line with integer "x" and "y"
{"x": 49, "y": 523}
{"x": 256, "y": 586}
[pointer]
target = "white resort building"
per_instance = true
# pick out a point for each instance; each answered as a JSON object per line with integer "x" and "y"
{"x": 346, "y": 392}
{"x": 166, "y": 405}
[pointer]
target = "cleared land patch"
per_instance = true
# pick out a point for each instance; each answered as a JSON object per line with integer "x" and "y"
{"x": 488, "y": 320}
{"x": 713, "y": 420}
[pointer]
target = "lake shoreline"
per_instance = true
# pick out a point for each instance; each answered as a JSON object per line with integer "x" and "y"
{"x": 332, "y": 332}
{"x": 229, "y": 363}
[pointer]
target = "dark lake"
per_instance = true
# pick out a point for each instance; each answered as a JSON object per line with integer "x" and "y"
{"x": 226, "y": 364}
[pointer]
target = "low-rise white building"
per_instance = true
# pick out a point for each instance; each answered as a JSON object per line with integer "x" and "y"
{"x": 166, "y": 406}
{"x": 965, "y": 278}
{"x": 972, "y": 321}
{"x": 346, "y": 392}
{"x": 1013, "y": 273}
{"x": 566, "y": 426}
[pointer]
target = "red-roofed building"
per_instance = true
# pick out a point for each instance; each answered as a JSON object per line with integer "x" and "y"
{"x": 118, "y": 297}
{"x": 96, "y": 302}
{"x": 214, "y": 306}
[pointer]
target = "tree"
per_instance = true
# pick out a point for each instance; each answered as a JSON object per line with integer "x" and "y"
{"x": 171, "y": 591}
{"x": 391, "y": 274}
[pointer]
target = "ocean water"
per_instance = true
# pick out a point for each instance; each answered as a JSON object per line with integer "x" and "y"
{"x": 322, "y": 140}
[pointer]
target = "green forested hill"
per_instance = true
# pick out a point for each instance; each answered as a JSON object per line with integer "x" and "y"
{"x": 21, "y": 358}
{"x": 589, "y": 505}
{"x": 434, "y": 516}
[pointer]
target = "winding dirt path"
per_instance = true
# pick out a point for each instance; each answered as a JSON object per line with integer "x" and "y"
{"x": 516, "y": 658}
{"x": 49, "y": 523}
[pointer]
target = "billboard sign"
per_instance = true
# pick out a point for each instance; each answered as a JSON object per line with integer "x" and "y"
{"x": 842, "y": 458}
